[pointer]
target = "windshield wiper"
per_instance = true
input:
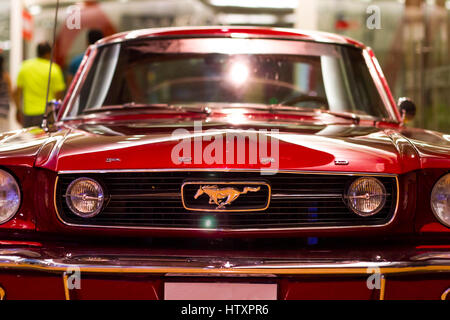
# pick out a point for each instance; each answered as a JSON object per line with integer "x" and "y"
{"x": 350, "y": 116}
{"x": 207, "y": 111}
{"x": 344, "y": 115}
{"x": 127, "y": 106}
{"x": 133, "y": 105}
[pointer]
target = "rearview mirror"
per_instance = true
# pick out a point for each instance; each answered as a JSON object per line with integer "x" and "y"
{"x": 407, "y": 109}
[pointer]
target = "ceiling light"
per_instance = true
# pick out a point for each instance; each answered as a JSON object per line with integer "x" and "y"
{"x": 273, "y": 4}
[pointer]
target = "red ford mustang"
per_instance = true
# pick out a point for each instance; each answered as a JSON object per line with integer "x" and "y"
{"x": 226, "y": 163}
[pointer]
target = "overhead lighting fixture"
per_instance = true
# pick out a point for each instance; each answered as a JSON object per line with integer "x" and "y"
{"x": 248, "y": 18}
{"x": 34, "y": 10}
{"x": 5, "y": 45}
{"x": 272, "y": 4}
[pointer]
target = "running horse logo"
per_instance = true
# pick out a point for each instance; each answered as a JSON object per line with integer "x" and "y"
{"x": 222, "y": 196}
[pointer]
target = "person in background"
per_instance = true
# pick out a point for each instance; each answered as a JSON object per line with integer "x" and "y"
{"x": 5, "y": 96}
{"x": 32, "y": 82}
{"x": 92, "y": 37}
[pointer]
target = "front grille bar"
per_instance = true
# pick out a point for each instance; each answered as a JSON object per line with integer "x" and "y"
{"x": 131, "y": 206}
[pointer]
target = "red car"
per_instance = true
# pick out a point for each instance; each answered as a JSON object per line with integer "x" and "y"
{"x": 226, "y": 163}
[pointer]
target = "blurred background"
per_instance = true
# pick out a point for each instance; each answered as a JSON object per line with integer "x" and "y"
{"x": 409, "y": 37}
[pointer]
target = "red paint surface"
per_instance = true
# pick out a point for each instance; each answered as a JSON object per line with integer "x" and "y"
{"x": 126, "y": 287}
{"x": 327, "y": 288}
{"x": 118, "y": 288}
{"x": 20, "y": 243}
{"x": 32, "y": 286}
{"x": 316, "y": 142}
{"x": 430, "y": 287}
{"x": 418, "y": 157}
{"x": 238, "y": 31}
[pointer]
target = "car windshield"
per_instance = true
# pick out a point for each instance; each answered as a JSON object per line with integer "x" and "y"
{"x": 228, "y": 72}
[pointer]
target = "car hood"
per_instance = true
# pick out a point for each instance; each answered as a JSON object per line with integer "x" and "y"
{"x": 301, "y": 146}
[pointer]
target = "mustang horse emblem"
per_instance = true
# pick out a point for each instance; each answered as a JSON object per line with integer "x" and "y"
{"x": 224, "y": 196}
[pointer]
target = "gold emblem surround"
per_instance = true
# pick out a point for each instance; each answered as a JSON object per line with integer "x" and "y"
{"x": 214, "y": 194}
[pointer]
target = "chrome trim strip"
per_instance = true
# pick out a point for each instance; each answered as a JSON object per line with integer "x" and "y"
{"x": 383, "y": 287}
{"x": 223, "y": 275}
{"x": 433, "y": 255}
{"x": 305, "y": 196}
{"x": 266, "y": 171}
{"x": 163, "y": 195}
{"x": 376, "y": 74}
{"x": 367, "y": 195}
{"x": 65, "y": 279}
{"x": 231, "y": 230}
{"x": 2, "y": 294}
{"x": 443, "y": 296}
{"x": 208, "y": 266}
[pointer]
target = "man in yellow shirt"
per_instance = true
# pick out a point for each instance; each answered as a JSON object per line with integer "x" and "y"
{"x": 32, "y": 83}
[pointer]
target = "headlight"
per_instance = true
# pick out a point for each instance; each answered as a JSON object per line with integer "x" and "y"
{"x": 9, "y": 196}
{"x": 366, "y": 196}
{"x": 85, "y": 197}
{"x": 440, "y": 200}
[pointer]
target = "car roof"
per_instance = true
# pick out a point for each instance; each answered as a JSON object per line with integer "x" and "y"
{"x": 234, "y": 31}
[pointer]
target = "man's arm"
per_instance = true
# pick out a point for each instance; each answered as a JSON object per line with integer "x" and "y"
{"x": 69, "y": 79}
{"x": 58, "y": 83}
{"x": 17, "y": 96}
{"x": 59, "y": 95}
{"x": 8, "y": 81}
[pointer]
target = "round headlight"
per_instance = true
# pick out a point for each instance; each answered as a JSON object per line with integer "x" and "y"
{"x": 9, "y": 196}
{"x": 366, "y": 196}
{"x": 440, "y": 200}
{"x": 85, "y": 197}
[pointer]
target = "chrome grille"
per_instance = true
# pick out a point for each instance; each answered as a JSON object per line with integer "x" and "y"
{"x": 153, "y": 199}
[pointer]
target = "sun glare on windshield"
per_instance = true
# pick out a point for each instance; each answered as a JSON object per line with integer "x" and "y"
{"x": 239, "y": 73}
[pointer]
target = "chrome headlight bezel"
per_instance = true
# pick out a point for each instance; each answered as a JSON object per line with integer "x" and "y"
{"x": 434, "y": 190}
{"x": 16, "y": 189}
{"x": 101, "y": 197}
{"x": 382, "y": 193}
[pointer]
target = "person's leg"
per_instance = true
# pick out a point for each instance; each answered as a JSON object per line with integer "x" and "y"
{"x": 32, "y": 121}
{"x": 4, "y": 124}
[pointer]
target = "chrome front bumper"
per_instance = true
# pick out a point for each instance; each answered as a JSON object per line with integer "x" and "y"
{"x": 26, "y": 259}
{"x": 58, "y": 261}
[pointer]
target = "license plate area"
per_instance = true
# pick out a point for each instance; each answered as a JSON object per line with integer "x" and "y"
{"x": 219, "y": 291}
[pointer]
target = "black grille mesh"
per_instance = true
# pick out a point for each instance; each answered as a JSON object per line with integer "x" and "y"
{"x": 153, "y": 199}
